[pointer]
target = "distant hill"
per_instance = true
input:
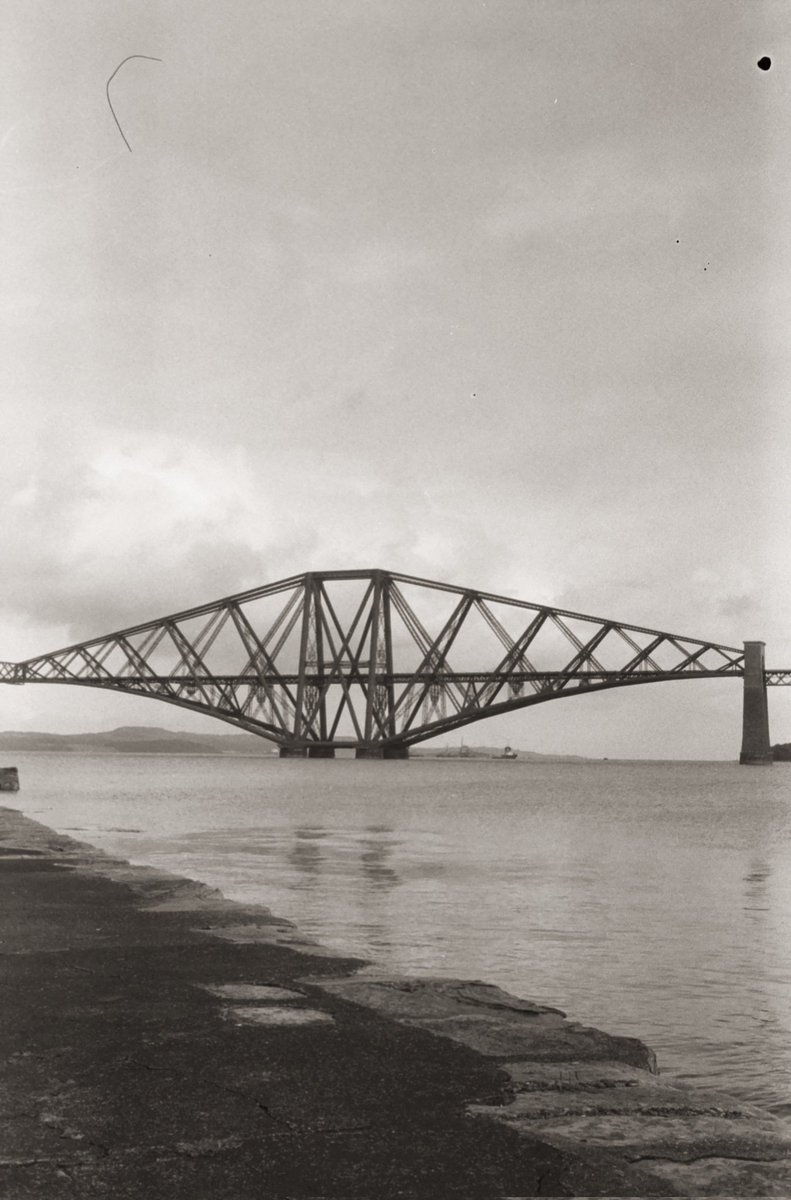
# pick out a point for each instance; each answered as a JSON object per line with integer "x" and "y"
{"x": 138, "y": 739}
{"x": 147, "y": 739}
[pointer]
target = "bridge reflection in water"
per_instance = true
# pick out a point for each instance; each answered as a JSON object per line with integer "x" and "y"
{"x": 375, "y": 661}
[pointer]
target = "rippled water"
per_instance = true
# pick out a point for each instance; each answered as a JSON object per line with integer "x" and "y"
{"x": 651, "y": 899}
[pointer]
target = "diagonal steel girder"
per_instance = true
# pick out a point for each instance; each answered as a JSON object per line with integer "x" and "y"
{"x": 372, "y": 658}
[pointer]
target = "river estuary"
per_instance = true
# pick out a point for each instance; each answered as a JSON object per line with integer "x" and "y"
{"x": 651, "y": 899}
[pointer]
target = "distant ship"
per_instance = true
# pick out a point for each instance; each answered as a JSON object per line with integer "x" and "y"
{"x": 508, "y": 753}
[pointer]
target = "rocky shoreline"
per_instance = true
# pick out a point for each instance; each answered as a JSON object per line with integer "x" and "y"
{"x": 160, "y": 1040}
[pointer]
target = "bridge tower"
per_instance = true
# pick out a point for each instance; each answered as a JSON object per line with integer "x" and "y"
{"x": 756, "y": 748}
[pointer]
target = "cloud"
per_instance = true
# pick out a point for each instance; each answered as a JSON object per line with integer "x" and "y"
{"x": 379, "y": 263}
{"x": 585, "y": 188}
{"x": 103, "y": 538}
{"x": 143, "y": 524}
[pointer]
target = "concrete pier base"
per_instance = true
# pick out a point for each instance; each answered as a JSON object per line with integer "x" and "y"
{"x": 756, "y": 747}
{"x": 307, "y": 751}
{"x": 380, "y": 752}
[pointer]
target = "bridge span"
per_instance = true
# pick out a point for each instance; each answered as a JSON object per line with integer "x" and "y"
{"x": 376, "y": 661}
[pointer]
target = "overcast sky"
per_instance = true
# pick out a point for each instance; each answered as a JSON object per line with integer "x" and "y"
{"x": 495, "y": 292}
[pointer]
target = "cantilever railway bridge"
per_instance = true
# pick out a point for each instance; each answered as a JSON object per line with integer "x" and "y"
{"x": 376, "y": 661}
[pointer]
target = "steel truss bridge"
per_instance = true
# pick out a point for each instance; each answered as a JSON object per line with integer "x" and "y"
{"x": 375, "y": 661}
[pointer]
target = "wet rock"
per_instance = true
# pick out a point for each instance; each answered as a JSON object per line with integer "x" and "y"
{"x": 251, "y": 991}
{"x": 489, "y": 1020}
{"x": 276, "y": 932}
{"x": 653, "y": 1100}
{"x": 726, "y": 1177}
{"x": 577, "y": 1076}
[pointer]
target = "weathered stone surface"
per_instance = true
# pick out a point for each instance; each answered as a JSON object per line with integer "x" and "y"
{"x": 677, "y": 1138}
{"x": 404, "y": 996}
{"x": 577, "y": 1076}
{"x": 489, "y": 1020}
{"x": 270, "y": 933}
{"x": 583, "y": 1090}
{"x": 251, "y": 991}
{"x": 276, "y": 1014}
{"x": 539, "y": 1041}
{"x": 650, "y": 1101}
{"x": 722, "y": 1178}
{"x": 700, "y": 1143}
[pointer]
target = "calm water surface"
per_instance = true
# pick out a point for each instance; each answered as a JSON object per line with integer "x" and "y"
{"x": 651, "y": 899}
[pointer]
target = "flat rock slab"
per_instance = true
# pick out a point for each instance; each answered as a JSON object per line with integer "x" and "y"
{"x": 677, "y": 1138}
{"x": 725, "y": 1178}
{"x": 489, "y": 1020}
{"x": 583, "y": 1077}
{"x": 251, "y": 991}
{"x": 276, "y": 1015}
{"x": 272, "y": 933}
{"x": 700, "y": 1143}
{"x": 536, "y": 1040}
{"x": 651, "y": 1101}
{"x": 408, "y": 997}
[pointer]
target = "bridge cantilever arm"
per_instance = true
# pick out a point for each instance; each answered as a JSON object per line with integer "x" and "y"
{"x": 12, "y": 672}
{"x": 554, "y": 689}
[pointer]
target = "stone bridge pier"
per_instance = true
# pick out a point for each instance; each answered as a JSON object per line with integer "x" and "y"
{"x": 756, "y": 747}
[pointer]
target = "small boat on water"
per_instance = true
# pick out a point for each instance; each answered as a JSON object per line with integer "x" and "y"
{"x": 508, "y": 753}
